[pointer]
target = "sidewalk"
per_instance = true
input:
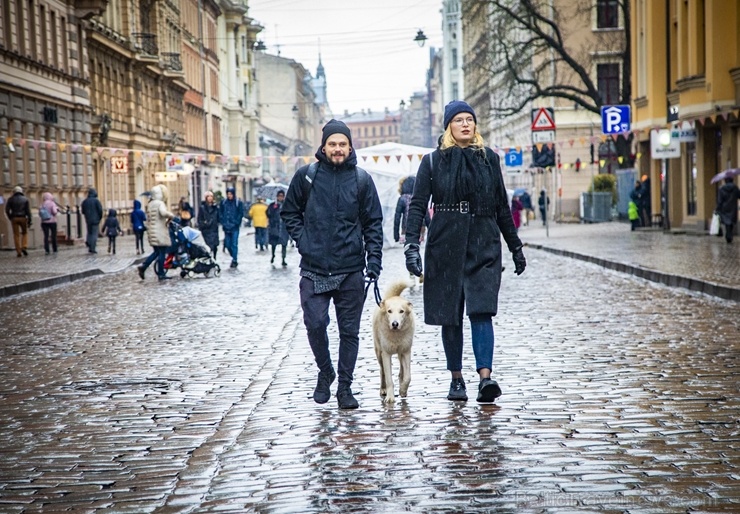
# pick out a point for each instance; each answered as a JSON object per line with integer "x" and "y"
{"x": 698, "y": 263}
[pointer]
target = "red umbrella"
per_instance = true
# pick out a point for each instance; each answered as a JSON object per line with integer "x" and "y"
{"x": 728, "y": 173}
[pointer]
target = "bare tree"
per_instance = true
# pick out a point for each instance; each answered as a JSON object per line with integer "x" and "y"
{"x": 531, "y": 57}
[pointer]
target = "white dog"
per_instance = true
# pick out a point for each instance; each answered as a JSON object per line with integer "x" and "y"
{"x": 393, "y": 333}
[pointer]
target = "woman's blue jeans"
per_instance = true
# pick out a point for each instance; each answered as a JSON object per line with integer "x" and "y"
{"x": 482, "y": 335}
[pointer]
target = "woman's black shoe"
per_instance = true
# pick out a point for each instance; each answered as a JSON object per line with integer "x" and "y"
{"x": 457, "y": 391}
{"x": 488, "y": 390}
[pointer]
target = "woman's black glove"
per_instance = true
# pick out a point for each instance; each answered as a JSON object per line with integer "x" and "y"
{"x": 519, "y": 261}
{"x": 413, "y": 259}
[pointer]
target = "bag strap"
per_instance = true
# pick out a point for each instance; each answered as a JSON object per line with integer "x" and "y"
{"x": 363, "y": 182}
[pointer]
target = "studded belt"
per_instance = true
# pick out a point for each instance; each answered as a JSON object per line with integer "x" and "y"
{"x": 462, "y": 207}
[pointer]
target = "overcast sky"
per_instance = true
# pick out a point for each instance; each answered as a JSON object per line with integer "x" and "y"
{"x": 367, "y": 47}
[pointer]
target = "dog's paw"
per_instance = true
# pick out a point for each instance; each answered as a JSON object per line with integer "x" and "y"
{"x": 382, "y": 393}
{"x": 389, "y": 399}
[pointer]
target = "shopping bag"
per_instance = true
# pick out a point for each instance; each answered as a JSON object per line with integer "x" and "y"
{"x": 714, "y": 226}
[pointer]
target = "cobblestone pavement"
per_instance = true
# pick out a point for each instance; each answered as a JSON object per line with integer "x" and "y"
{"x": 193, "y": 395}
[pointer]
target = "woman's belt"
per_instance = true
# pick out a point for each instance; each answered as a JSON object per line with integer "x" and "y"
{"x": 462, "y": 207}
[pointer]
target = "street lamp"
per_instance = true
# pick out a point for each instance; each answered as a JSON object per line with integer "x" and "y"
{"x": 664, "y": 139}
{"x": 420, "y": 38}
{"x": 260, "y": 46}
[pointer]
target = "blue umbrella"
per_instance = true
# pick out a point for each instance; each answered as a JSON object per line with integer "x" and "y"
{"x": 519, "y": 191}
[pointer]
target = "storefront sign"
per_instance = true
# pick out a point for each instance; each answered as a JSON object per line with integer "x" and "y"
{"x": 119, "y": 164}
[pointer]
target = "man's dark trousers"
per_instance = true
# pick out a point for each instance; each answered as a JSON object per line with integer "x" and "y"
{"x": 349, "y": 299}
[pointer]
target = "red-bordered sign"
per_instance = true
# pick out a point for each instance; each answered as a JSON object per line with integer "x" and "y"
{"x": 543, "y": 119}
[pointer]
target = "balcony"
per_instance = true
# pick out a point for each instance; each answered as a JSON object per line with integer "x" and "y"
{"x": 171, "y": 61}
{"x": 145, "y": 42}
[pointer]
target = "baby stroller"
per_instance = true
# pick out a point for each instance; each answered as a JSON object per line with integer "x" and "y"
{"x": 190, "y": 253}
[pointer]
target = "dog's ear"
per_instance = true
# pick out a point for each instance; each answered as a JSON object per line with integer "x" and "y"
{"x": 409, "y": 304}
{"x": 381, "y": 305}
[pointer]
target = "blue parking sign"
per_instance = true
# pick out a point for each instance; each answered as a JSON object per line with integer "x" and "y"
{"x": 514, "y": 158}
{"x": 615, "y": 119}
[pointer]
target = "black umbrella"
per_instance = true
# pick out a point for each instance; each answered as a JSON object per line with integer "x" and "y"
{"x": 270, "y": 190}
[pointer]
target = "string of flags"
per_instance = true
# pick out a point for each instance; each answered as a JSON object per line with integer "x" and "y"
{"x": 295, "y": 160}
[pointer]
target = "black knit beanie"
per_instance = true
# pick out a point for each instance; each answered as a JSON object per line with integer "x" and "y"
{"x": 335, "y": 127}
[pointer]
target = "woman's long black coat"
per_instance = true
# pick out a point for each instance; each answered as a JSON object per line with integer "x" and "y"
{"x": 208, "y": 220}
{"x": 462, "y": 260}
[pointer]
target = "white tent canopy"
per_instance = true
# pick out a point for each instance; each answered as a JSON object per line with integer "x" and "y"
{"x": 388, "y": 164}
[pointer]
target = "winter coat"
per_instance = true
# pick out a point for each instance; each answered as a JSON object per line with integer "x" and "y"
{"x": 277, "y": 233}
{"x": 157, "y": 215}
{"x": 402, "y": 208}
{"x": 526, "y": 201}
{"x": 18, "y": 206}
{"x": 111, "y": 227}
{"x": 727, "y": 203}
{"x": 516, "y": 212}
{"x": 258, "y": 214}
{"x": 50, "y": 205}
{"x": 462, "y": 259}
{"x": 138, "y": 217}
{"x": 92, "y": 209}
{"x": 543, "y": 201}
{"x": 334, "y": 230}
{"x": 231, "y": 213}
{"x": 208, "y": 223}
{"x": 632, "y": 213}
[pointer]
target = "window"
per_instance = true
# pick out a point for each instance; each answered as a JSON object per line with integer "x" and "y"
{"x": 453, "y": 58}
{"x": 607, "y": 76}
{"x": 607, "y": 14}
{"x": 455, "y": 91}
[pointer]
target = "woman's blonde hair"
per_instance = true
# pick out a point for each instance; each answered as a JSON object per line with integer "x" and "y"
{"x": 448, "y": 140}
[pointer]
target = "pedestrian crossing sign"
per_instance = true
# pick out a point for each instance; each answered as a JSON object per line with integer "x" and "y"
{"x": 543, "y": 119}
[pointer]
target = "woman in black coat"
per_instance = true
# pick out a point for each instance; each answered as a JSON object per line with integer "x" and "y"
{"x": 727, "y": 207}
{"x": 463, "y": 249}
{"x": 208, "y": 220}
{"x": 277, "y": 234}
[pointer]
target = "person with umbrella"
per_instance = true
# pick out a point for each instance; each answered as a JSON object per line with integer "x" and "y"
{"x": 278, "y": 234}
{"x": 727, "y": 207}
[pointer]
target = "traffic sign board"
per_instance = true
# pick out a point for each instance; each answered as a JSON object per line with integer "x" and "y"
{"x": 615, "y": 119}
{"x": 543, "y": 118}
{"x": 543, "y": 136}
{"x": 514, "y": 158}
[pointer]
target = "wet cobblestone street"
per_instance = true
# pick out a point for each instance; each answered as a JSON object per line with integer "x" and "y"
{"x": 194, "y": 395}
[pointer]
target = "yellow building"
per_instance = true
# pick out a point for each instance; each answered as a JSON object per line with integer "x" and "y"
{"x": 686, "y": 79}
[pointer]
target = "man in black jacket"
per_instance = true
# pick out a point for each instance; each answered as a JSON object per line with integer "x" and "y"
{"x": 18, "y": 211}
{"x": 92, "y": 209}
{"x": 337, "y": 223}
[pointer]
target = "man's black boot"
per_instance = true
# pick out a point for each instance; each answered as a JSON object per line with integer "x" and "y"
{"x": 346, "y": 399}
{"x": 322, "y": 393}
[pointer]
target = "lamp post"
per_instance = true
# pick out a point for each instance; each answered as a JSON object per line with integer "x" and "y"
{"x": 664, "y": 139}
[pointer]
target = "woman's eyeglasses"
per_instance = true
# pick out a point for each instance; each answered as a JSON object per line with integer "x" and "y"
{"x": 468, "y": 121}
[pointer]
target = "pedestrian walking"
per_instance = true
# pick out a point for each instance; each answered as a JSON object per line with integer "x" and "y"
{"x": 208, "y": 221}
{"x": 727, "y": 207}
{"x": 277, "y": 233}
{"x": 633, "y": 214}
{"x": 405, "y": 190}
{"x": 645, "y": 206}
{"x": 516, "y": 211}
{"x": 138, "y": 225}
{"x": 185, "y": 210}
{"x": 158, "y": 216}
{"x": 18, "y": 211}
{"x": 112, "y": 229}
{"x": 92, "y": 209}
{"x": 543, "y": 202}
{"x": 463, "y": 251}
{"x": 337, "y": 223}
{"x": 526, "y": 200}
{"x": 636, "y": 198}
{"x": 48, "y": 213}
{"x": 230, "y": 214}
{"x": 258, "y": 213}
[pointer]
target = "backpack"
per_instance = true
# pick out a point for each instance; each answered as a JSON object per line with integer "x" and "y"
{"x": 44, "y": 214}
{"x": 363, "y": 180}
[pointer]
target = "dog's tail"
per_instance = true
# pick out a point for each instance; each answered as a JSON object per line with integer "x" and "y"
{"x": 396, "y": 288}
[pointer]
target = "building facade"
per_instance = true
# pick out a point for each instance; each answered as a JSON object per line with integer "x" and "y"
{"x": 45, "y": 108}
{"x": 370, "y": 128}
{"x": 601, "y": 43}
{"x": 686, "y": 75}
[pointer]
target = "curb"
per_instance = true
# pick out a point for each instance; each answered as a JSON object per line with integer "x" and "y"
{"x": 35, "y": 285}
{"x": 692, "y": 284}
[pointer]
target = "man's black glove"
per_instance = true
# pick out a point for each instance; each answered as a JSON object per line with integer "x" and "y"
{"x": 519, "y": 261}
{"x": 372, "y": 273}
{"x": 413, "y": 259}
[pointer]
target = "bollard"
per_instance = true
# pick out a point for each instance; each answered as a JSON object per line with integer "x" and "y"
{"x": 79, "y": 223}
